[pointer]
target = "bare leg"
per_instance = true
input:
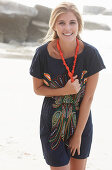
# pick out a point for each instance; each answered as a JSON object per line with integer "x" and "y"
{"x": 77, "y": 164}
{"x": 66, "y": 167}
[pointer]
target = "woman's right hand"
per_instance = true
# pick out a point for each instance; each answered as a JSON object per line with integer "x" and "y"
{"x": 72, "y": 87}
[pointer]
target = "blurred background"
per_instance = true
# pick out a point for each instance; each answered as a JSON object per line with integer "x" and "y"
{"x": 23, "y": 24}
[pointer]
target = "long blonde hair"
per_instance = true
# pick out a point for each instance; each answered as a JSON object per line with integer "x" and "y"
{"x": 60, "y": 9}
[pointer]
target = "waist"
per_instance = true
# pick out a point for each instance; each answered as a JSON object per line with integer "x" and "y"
{"x": 63, "y": 99}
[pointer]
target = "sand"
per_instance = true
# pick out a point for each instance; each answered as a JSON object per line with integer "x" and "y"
{"x": 20, "y": 146}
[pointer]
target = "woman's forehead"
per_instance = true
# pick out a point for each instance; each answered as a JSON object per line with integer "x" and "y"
{"x": 66, "y": 16}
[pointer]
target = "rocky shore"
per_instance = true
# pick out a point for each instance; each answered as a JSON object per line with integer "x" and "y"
{"x": 22, "y": 27}
{"x": 29, "y": 24}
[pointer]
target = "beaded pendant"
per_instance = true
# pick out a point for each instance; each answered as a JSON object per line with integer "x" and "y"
{"x": 70, "y": 74}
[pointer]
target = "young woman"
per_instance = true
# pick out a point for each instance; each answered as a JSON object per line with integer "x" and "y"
{"x": 68, "y": 82}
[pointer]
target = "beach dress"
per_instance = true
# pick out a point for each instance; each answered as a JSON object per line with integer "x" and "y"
{"x": 59, "y": 114}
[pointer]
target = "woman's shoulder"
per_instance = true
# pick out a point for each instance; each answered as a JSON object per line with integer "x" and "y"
{"x": 93, "y": 61}
{"x": 42, "y": 48}
{"x": 90, "y": 48}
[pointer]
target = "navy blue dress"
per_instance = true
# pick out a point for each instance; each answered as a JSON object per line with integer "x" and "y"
{"x": 59, "y": 114}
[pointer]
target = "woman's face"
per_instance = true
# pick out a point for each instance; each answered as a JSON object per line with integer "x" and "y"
{"x": 66, "y": 27}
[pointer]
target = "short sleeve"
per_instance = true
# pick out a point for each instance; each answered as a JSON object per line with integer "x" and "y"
{"x": 93, "y": 62}
{"x": 36, "y": 68}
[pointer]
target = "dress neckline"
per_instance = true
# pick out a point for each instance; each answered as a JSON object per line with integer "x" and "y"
{"x": 72, "y": 57}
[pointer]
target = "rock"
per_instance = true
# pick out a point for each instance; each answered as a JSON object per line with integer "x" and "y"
{"x": 94, "y": 22}
{"x": 14, "y": 27}
{"x": 14, "y": 20}
{"x": 96, "y": 26}
{"x": 8, "y": 7}
{"x": 107, "y": 12}
{"x": 93, "y": 10}
{"x": 1, "y": 36}
{"x": 36, "y": 31}
{"x": 39, "y": 25}
{"x": 43, "y": 13}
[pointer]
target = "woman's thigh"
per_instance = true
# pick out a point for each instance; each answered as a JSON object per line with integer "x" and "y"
{"x": 77, "y": 164}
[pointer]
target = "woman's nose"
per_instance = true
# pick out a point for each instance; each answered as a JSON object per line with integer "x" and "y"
{"x": 67, "y": 27}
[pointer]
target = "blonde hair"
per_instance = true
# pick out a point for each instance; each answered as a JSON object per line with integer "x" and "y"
{"x": 60, "y": 9}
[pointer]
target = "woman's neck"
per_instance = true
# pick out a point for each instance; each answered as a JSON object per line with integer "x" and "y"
{"x": 68, "y": 49}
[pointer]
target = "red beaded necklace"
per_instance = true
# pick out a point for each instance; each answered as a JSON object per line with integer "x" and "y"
{"x": 70, "y": 74}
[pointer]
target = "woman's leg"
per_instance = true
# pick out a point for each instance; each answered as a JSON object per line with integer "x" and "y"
{"x": 66, "y": 167}
{"x": 77, "y": 164}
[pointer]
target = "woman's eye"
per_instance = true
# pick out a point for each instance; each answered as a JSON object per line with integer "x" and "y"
{"x": 72, "y": 23}
{"x": 61, "y": 23}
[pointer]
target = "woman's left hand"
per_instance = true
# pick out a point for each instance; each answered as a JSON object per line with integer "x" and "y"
{"x": 74, "y": 144}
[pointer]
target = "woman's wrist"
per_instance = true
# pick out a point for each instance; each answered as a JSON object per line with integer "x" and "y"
{"x": 77, "y": 133}
{"x": 65, "y": 91}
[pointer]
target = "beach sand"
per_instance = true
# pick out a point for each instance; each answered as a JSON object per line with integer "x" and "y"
{"x": 20, "y": 146}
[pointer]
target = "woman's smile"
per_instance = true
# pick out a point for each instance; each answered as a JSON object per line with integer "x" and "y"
{"x": 68, "y": 34}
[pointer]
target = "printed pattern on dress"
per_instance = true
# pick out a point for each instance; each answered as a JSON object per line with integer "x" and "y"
{"x": 64, "y": 118}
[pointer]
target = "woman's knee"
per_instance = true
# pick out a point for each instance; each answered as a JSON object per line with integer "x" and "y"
{"x": 66, "y": 167}
{"x": 77, "y": 164}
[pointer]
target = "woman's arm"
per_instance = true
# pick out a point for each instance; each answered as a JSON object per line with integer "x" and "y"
{"x": 86, "y": 103}
{"x": 84, "y": 111}
{"x": 42, "y": 90}
{"x": 69, "y": 88}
